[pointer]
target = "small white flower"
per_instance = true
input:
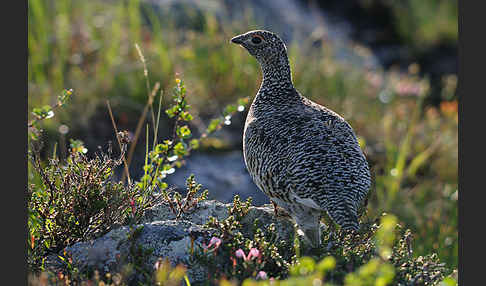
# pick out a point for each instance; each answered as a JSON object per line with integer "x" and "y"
{"x": 50, "y": 114}
{"x": 172, "y": 158}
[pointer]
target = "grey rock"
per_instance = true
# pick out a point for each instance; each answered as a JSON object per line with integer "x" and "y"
{"x": 100, "y": 253}
{"x": 170, "y": 238}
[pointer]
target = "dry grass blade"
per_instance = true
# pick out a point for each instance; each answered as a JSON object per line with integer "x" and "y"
{"x": 151, "y": 96}
{"x": 140, "y": 123}
{"x": 127, "y": 173}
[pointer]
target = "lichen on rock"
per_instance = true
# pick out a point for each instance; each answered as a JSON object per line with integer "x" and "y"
{"x": 168, "y": 237}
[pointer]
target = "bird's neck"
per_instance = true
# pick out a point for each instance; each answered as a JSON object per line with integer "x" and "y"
{"x": 276, "y": 72}
{"x": 277, "y": 87}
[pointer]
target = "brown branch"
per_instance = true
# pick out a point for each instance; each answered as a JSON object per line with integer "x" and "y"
{"x": 139, "y": 125}
{"x": 127, "y": 173}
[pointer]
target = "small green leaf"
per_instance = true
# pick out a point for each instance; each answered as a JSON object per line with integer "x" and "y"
{"x": 194, "y": 143}
{"x": 183, "y": 132}
{"x": 161, "y": 148}
{"x": 171, "y": 112}
{"x": 43, "y": 112}
{"x": 186, "y": 116}
{"x": 65, "y": 95}
{"x": 214, "y": 124}
{"x": 180, "y": 149}
{"x": 243, "y": 101}
{"x": 163, "y": 185}
{"x": 77, "y": 146}
{"x": 229, "y": 109}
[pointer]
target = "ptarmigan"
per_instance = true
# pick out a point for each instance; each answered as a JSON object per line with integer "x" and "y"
{"x": 302, "y": 155}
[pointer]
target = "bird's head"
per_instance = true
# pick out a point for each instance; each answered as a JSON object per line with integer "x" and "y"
{"x": 265, "y": 46}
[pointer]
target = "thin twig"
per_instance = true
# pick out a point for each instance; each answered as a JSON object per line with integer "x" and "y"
{"x": 119, "y": 143}
{"x": 158, "y": 118}
{"x": 140, "y": 123}
{"x": 33, "y": 121}
{"x": 59, "y": 103}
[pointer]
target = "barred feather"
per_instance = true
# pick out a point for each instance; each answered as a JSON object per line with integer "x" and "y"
{"x": 304, "y": 156}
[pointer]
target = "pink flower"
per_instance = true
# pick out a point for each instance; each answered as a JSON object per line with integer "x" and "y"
{"x": 214, "y": 241}
{"x": 240, "y": 254}
{"x": 254, "y": 253}
{"x": 261, "y": 275}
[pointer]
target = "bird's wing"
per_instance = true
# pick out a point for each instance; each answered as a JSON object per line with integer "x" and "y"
{"x": 331, "y": 162}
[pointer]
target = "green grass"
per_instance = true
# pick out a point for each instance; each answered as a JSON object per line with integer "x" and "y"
{"x": 90, "y": 48}
{"x": 423, "y": 24}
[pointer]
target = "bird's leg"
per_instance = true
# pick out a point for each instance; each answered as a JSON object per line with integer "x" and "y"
{"x": 279, "y": 211}
{"x": 308, "y": 223}
{"x": 274, "y": 208}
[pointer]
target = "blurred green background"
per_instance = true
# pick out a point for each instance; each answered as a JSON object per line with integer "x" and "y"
{"x": 388, "y": 67}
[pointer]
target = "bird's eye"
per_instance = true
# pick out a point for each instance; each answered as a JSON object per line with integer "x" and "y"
{"x": 256, "y": 40}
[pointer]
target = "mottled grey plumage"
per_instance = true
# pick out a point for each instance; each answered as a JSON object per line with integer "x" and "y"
{"x": 305, "y": 157}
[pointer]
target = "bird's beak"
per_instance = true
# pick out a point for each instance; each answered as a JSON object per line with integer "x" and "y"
{"x": 237, "y": 40}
